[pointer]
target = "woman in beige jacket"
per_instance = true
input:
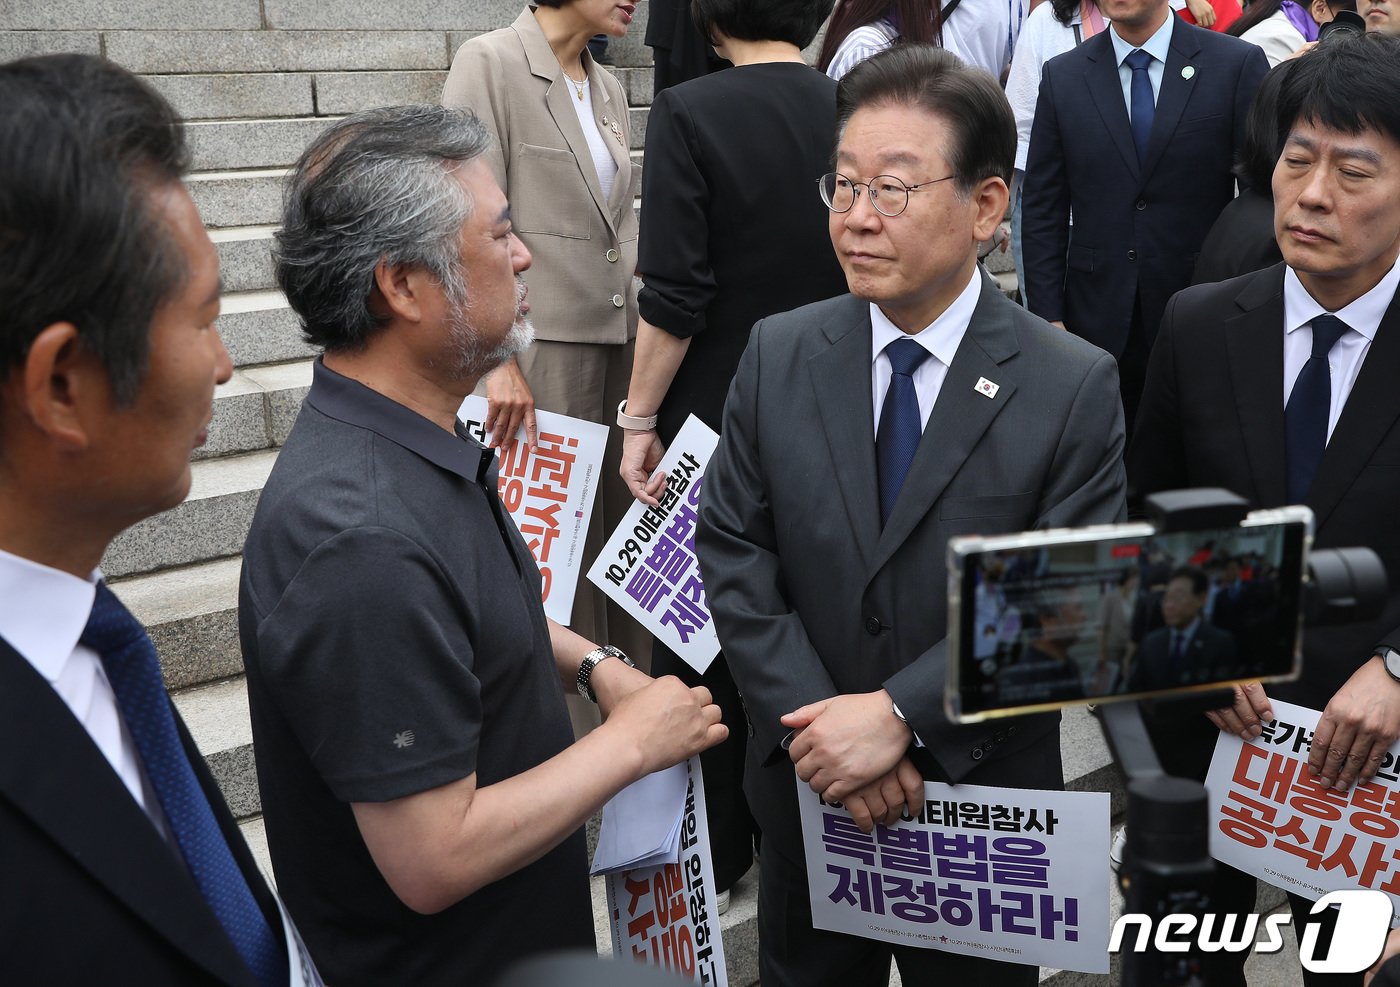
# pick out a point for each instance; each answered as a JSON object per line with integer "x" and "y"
{"x": 562, "y": 156}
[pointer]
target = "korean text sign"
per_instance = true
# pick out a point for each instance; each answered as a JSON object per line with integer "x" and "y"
{"x": 1270, "y": 817}
{"x": 549, "y": 494}
{"x": 648, "y": 566}
{"x": 665, "y": 915}
{"x": 1007, "y": 874}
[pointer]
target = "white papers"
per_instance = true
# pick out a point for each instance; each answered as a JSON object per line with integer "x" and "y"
{"x": 549, "y": 494}
{"x": 1269, "y": 817}
{"x": 642, "y": 823}
{"x": 648, "y": 565}
{"x": 1001, "y": 873}
{"x": 664, "y": 914}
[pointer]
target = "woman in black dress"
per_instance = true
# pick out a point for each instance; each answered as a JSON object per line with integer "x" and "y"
{"x": 733, "y": 230}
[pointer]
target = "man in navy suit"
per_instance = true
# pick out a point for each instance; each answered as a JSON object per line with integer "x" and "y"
{"x": 1135, "y": 134}
{"x": 121, "y": 862}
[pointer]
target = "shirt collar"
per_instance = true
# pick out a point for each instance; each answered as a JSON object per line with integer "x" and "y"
{"x": 1363, "y": 315}
{"x": 1189, "y": 631}
{"x": 942, "y": 336}
{"x": 1156, "y": 46}
{"x": 346, "y": 400}
{"x": 43, "y": 611}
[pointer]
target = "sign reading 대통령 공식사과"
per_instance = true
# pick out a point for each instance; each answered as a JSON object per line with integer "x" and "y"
{"x": 665, "y": 915}
{"x": 1009, "y": 874}
{"x": 1269, "y": 816}
{"x": 549, "y": 494}
{"x": 648, "y": 565}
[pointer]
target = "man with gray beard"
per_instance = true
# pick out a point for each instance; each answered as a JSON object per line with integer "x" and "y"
{"x": 423, "y": 798}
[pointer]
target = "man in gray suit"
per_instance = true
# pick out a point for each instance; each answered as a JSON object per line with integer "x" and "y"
{"x": 846, "y": 462}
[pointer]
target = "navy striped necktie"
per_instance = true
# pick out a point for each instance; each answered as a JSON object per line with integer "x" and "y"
{"x": 133, "y": 669}
{"x": 1142, "y": 105}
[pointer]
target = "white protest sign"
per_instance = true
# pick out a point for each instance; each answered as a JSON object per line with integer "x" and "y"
{"x": 549, "y": 494}
{"x": 665, "y": 915}
{"x": 1006, "y": 874}
{"x": 1269, "y": 817}
{"x": 648, "y": 565}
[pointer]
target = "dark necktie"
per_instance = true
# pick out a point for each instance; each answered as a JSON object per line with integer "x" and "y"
{"x": 1309, "y": 405}
{"x": 901, "y": 426}
{"x": 132, "y": 667}
{"x": 1178, "y": 647}
{"x": 1141, "y": 105}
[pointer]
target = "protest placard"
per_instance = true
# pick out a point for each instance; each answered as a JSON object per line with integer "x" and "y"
{"x": 1007, "y": 874}
{"x": 664, "y": 915}
{"x": 1271, "y": 818}
{"x": 549, "y": 494}
{"x": 648, "y": 565}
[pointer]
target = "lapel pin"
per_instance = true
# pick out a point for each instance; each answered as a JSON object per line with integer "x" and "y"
{"x": 986, "y": 388}
{"x": 1188, "y": 72}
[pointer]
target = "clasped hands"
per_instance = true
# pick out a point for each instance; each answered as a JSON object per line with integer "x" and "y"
{"x": 852, "y": 749}
{"x": 1356, "y": 729}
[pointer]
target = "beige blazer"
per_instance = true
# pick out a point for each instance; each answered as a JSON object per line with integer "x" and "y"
{"x": 585, "y": 247}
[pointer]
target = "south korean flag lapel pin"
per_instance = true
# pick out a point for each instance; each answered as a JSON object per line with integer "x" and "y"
{"x": 986, "y": 388}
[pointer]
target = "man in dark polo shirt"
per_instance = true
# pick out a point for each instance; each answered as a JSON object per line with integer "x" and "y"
{"x": 421, "y": 791}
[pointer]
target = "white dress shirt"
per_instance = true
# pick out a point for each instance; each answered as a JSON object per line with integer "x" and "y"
{"x": 1157, "y": 46}
{"x": 1363, "y": 316}
{"x": 42, "y": 614}
{"x": 941, "y": 338}
{"x": 984, "y": 32}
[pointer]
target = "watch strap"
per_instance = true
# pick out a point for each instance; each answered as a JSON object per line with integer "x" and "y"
{"x": 624, "y": 420}
{"x": 590, "y": 662}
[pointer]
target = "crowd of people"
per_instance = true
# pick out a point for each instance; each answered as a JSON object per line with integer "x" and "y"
{"x": 810, "y": 287}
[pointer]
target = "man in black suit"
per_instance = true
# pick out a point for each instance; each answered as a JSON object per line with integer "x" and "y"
{"x": 1280, "y": 385}
{"x": 1188, "y": 650}
{"x": 1135, "y": 133}
{"x": 121, "y": 862}
{"x": 823, "y": 547}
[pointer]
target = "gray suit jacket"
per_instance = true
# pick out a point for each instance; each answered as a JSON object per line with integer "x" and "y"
{"x": 812, "y": 599}
{"x": 584, "y": 245}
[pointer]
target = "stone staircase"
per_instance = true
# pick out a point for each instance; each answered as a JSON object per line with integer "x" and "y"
{"x": 257, "y": 80}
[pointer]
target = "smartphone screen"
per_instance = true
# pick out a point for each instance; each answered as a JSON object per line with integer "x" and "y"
{"x": 1051, "y": 619}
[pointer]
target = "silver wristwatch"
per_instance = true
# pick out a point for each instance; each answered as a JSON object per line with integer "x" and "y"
{"x": 590, "y": 662}
{"x": 1391, "y": 659}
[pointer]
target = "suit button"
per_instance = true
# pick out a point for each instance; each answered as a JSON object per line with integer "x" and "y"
{"x": 999, "y": 737}
{"x": 872, "y": 626}
{"x": 618, "y": 301}
{"x": 1010, "y": 731}
{"x": 1142, "y": 203}
{"x": 612, "y": 254}
{"x": 1132, "y": 255}
{"x": 976, "y": 753}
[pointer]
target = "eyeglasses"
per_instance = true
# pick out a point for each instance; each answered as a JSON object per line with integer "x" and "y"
{"x": 888, "y": 194}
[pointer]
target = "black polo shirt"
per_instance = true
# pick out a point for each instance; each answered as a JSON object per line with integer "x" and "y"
{"x": 394, "y": 642}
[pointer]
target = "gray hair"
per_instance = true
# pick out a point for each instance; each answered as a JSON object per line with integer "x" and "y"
{"x": 377, "y": 186}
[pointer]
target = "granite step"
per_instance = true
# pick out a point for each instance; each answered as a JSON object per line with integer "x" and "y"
{"x": 191, "y": 614}
{"x": 256, "y": 408}
{"x": 211, "y": 523}
{"x": 238, "y": 198}
{"x": 180, "y": 52}
{"x": 245, "y": 257}
{"x": 163, "y": 15}
{"x": 259, "y": 327}
{"x": 230, "y": 145}
{"x": 238, "y": 95}
{"x": 217, "y": 717}
{"x": 349, "y": 92}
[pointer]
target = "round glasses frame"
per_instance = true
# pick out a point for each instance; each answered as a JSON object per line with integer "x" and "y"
{"x": 888, "y": 185}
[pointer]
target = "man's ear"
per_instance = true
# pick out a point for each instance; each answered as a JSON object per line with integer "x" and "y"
{"x": 398, "y": 287}
{"x": 992, "y": 198}
{"x": 61, "y": 380}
